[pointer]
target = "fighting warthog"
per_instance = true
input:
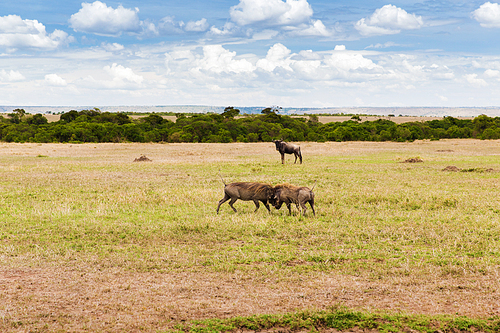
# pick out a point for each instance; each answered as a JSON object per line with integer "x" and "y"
{"x": 288, "y": 194}
{"x": 288, "y": 148}
{"x": 247, "y": 191}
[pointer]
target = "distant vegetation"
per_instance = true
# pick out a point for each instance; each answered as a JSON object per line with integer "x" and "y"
{"x": 96, "y": 126}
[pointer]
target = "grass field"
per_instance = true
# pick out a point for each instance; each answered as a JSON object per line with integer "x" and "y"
{"x": 92, "y": 241}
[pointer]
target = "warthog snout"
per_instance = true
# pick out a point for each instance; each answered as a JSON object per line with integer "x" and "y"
{"x": 288, "y": 194}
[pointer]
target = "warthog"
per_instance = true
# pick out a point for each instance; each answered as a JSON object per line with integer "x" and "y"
{"x": 288, "y": 194}
{"x": 247, "y": 191}
{"x": 288, "y": 148}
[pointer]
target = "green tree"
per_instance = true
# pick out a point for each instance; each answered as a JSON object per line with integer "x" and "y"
{"x": 37, "y": 119}
{"x": 230, "y": 112}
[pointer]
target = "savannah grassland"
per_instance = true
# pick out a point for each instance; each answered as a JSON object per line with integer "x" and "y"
{"x": 92, "y": 241}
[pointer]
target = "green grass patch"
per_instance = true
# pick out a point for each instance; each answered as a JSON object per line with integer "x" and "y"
{"x": 343, "y": 319}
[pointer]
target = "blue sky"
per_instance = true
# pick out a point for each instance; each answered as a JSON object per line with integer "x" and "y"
{"x": 292, "y": 53}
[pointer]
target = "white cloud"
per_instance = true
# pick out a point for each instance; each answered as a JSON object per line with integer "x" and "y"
{"x": 112, "y": 47}
{"x": 265, "y": 34}
{"x": 168, "y": 26}
{"x": 121, "y": 74}
{"x": 16, "y": 33}
{"x": 277, "y": 56}
{"x": 217, "y": 59}
{"x": 197, "y": 26}
{"x": 473, "y": 80}
{"x": 99, "y": 19}
{"x": 388, "y": 20}
{"x": 271, "y": 12}
{"x": 492, "y": 73}
{"x": 488, "y": 15}
{"x": 229, "y": 29}
{"x": 343, "y": 60}
{"x": 315, "y": 28}
{"x": 442, "y": 98}
{"x": 382, "y": 46}
{"x": 55, "y": 80}
{"x": 11, "y": 76}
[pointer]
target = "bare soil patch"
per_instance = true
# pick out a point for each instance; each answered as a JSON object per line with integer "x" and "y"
{"x": 413, "y": 160}
{"x": 451, "y": 168}
{"x": 143, "y": 158}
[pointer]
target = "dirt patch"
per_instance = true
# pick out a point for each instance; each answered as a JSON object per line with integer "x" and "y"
{"x": 143, "y": 158}
{"x": 413, "y": 160}
{"x": 86, "y": 299}
{"x": 480, "y": 170}
{"x": 451, "y": 168}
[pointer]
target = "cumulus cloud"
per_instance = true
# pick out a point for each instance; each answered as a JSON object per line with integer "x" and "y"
{"x": 229, "y": 29}
{"x": 388, "y": 20}
{"x": 492, "y": 73}
{"x": 168, "y": 26}
{"x": 11, "y": 76}
{"x": 55, "y": 80}
{"x": 122, "y": 74}
{"x": 99, "y": 19}
{"x": 488, "y": 15}
{"x": 197, "y": 26}
{"x": 315, "y": 28}
{"x": 343, "y": 60}
{"x": 217, "y": 59}
{"x": 271, "y": 12}
{"x": 475, "y": 81}
{"x": 277, "y": 56}
{"x": 382, "y": 46}
{"x": 16, "y": 33}
{"x": 112, "y": 47}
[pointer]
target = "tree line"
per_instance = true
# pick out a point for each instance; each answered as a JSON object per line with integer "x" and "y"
{"x": 96, "y": 126}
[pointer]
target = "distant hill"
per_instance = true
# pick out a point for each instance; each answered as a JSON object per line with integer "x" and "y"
{"x": 380, "y": 111}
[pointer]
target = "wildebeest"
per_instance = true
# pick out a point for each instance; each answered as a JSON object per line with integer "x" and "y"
{"x": 288, "y": 194}
{"x": 247, "y": 191}
{"x": 287, "y": 148}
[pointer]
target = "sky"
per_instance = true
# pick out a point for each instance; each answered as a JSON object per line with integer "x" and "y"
{"x": 290, "y": 53}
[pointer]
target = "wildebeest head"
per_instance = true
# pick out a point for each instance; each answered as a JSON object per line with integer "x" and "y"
{"x": 278, "y": 144}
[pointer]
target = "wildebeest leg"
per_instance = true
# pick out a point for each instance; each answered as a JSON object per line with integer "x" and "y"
{"x": 233, "y": 200}
{"x": 289, "y": 208}
{"x": 295, "y": 157}
{"x": 257, "y": 205}
{"x": 283, "y": 158}
{"x": 300, "y": 156}
{"x": 226, "y": 198}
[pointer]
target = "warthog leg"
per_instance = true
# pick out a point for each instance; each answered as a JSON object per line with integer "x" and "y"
{"x": 226, "y": 198}
{"x": 233, "y": 200}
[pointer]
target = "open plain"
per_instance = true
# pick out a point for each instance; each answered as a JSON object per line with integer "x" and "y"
{"x": 92, "y": 241}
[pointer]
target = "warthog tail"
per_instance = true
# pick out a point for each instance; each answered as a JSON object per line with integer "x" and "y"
{"x": 314, "y": 184}
{"x": 222, "y": 179}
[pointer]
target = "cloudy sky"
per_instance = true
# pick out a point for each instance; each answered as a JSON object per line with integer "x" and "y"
{"x": 292, "y": 53}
